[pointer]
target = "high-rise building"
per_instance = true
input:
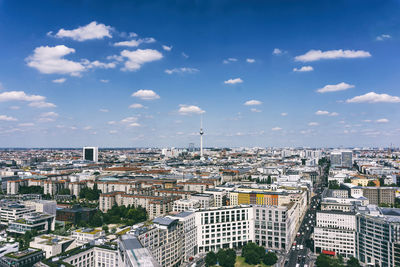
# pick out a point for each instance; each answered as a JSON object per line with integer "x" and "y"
{"x": 347, "y": 159}
{"x": 336, "y": 159}
{"x": 90, "y": 153}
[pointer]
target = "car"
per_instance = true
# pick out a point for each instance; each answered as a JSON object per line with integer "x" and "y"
{"x": 297, "y": 247}
{"x": 301, "y": 247}
{"x": 308, "y": 228}
{"x": 294, "y": 248}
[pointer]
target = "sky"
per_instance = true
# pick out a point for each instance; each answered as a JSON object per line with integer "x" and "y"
{"x": 146, "y": 73}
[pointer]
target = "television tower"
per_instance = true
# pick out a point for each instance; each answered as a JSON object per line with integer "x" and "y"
{"x": 201, "y": 138}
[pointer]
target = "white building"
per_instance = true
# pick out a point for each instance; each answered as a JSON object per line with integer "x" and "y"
{"x": 335, "y": 232}
{"x": 52, "y": 245}
{"x": 90, "y": 153}
{"x": 186, "y": 204}
{"x": 87, "y": 235}
{"x": 227, "y": 227}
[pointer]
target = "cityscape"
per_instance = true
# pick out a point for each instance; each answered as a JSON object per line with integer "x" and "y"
{"x": 205, "y": 133}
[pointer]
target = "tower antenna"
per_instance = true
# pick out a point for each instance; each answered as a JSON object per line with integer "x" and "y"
{"x": 201, "y": 137}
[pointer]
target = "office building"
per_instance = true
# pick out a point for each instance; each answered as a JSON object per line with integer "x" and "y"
{"x": 90, "y": 154}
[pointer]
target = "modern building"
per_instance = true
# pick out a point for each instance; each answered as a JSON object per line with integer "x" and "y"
{"x": 190, "y": 233}
{"x": 379, "y": 195}
{"x": 86, "y": 235}
{"x": 226, "y": 227}
{"x": 75, "y": 214}
{"x": 41, "y": 222}
{"x": 12, "y": 211}
{"x": 186, "y": 204}
{"x": 52, "y": 245}
{"x": 132, "y": 253}
{"x": 24, "y": 258}
{"x": 90, "y": 153}
{"x": 335, "y": 233}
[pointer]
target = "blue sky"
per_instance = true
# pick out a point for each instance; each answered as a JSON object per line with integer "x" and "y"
{"x": 142, "y": 73}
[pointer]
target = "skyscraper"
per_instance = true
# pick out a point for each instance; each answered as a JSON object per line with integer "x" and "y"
{"x": 90, "y": 153}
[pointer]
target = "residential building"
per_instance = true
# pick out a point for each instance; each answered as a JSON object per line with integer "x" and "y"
{"x": 53, "y": 245}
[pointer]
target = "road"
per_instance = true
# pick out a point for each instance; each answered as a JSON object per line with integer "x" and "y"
{"x": 302, "y": 256}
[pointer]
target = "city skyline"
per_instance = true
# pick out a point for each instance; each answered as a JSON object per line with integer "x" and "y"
{"x": 318, "y": 74}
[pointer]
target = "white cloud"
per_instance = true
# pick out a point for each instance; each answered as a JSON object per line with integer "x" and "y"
{"x": 135, "y": 59}
{"x": 50, "y": 114}
{"x": 136, "y": 106}
{"x": 383, "y": 37}
{"x": 284, "y": 114}
{"x": 373, "y": 97}
{"x": 313, "y": 123}
{"x": 7, "y": 118}
{"x": 250, "y": 60}
{"x": 335, "y": 87}
{"x": 303, "y": 69}
{"x": 98, "y": 64}
{"x": 26, "y": 124}
{"x": 334, "y": 114}
{"x": 87, "y": 128}
{"x": 113, "y": 131}
{"x": 104, "y": 81}
{"x": 252, "y": 103}
{"x": 167, "y": 48}
{"x": 185, "y": 55}
{"x": 181, "y": 70}
{"x": 20, "y": 96}
{"x": 49, "y": 60}
{"x": 91, "y": 31}
{"x": 233, "y": 81}
{"x": 229, "y": 60}
{"x": 276, "y": 129}
{"x": 277, "y": 51}
{"x": 382, "y": 120}
{"x": 61, "y": 80}
{"x": 146, "y": 94}
{"x": 322, "y": 112}
{"x": 112, "y": 122}
{"x": 366, "y": 120}
{"x": 134, "y": 124}
{"x": 314, "y": 55}
{"x": 190, "y": 109}
{"x": 14, "y": 107}
{"x": 42, "y": 105}
{"x": 135, "y": 43}
{"x": 103, "y": 110}
{"x": 255, "y": 110}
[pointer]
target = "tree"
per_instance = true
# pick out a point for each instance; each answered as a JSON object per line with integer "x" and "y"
{"x": 31, "y": 190}
{"x": 252, "y": 253}
{"x": 211, "y": 259}
{"x": 323, "y": 260}
{"x": 64, "y": 191}
{"x": 333, "y": 184}
{"x": 270, "y": 258}
{"x": 353, "y": 262}
{"x": 226, "y": 257}
{"x": 371, "y": 183}
{"x": 347, "y": 180}
{"x": 105, "y": 228}
{"x": 269, "y": 180}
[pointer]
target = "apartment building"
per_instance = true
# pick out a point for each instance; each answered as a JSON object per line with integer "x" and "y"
{"x": 335, "y": 231}
{"x": 206, "y": 200}
{"x": 52, "y": 245}
{"x": 378, "y": 195}
{"x": 186, "y": 204}
{"x": 227, "y": 227}
{"x": 190, "y": 233}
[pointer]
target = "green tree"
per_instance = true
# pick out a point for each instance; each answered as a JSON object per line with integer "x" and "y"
{"x": 64, "y": 191}
{"x": 269, "y": 180}
{"x": 371, "y": 183}
{"x": 270, "y": 258}
{"x": 333, "y": 184}
{"x": 226, "y": 257}
{"x": 31, "y": 190}
{"x": 105, "y": 228}
{"x": 252, "y": 253}
{"x": 347, "y": 181}
{"x": 211, "y": 259}
{"x": 323, "y": 260}
{"x": 353, "y": 262}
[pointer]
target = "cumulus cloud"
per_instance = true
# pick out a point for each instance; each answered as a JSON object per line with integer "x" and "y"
{"x": 185, "y": 55}
{"x": 284, "y": 114}
{"x": 250, "y": 60}
{"x": 26, "y": 124}
{"x": 136, "y": 106}
{"x": 313, "y": 123}
{"x": 181, "y": 70}
{"x": 324, "y": 112}
{"x": 252, "y": 103}
{"x": 167, "y": 48}
{"x": 48, "y": 116}
{"x": 383, "y": 37}
{"x": 255, "y": 110}
{"x": 113, "y": 131}
{"x": 277, "y": 51}
{"x": 373, "y": 97}
{"x": 42, "y": 104}
{"x": 233, "y": 81}
{"x": 61, "y": 80}
{"x": 314, "y": 55}
{"x": 135, "y": 43}
{"x": 7, "y": 118}
{"x": 190, "y": 109}
{"x": 335, "y": 87}
{"x": 97, "y": 64}
{"x": 146, "y": 94}
{"x": 303, "y": 69}
{"x": 50, "y": 60}
{"x": 20, "y": 96}
{"x": 382, "y": 120}
{"x": 276, "y": 129}
{"x": 229, "y": 60}
{"x": 103, "y": 110}
{"x": 91, "y": 31}
{"x": 104, "y": 81}
{"x": 135, "y": 59}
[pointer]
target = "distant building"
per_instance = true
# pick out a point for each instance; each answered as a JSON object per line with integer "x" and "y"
{"x": 75, "y": 214}
{"x": 342, "y": 158}
{"x": 90, "y": 154}
{"x": 87, "y": 235}
{"x": 24, "y": 258}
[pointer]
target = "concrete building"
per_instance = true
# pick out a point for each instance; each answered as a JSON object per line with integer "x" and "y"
{"x": 90, "y": 154}
{"x": 186, "y": 204}
{"x": 52, "y": 245}
{"x": 190, "y": 233}
{"x": 206, "y": 200}
{"x": 86, "y": 235}
{"x": 378, "y": 195}
{"x": 227, "y": 227}
{"x": 41, "y": 222}
{"x": 12, "y": 211}
{"x": 335, "y": 232}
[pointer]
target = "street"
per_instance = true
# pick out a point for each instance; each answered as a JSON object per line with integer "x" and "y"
{"x": 300, "y": 252}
